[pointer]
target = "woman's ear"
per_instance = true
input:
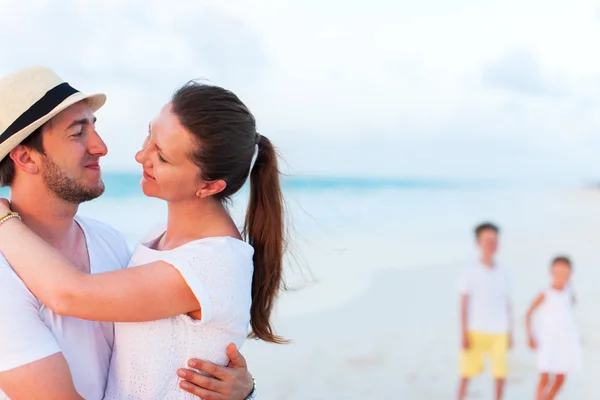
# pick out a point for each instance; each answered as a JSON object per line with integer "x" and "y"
{"x": 211, "y": 188}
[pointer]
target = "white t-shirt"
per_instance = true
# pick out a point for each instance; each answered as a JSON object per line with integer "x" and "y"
{"x": 29, "y": 331}
{"x": 147, "y": 355}
{"x": 489, "y": 293}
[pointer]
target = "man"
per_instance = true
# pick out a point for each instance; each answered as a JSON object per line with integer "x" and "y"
{"x": 49, "y": 156}
{"x": 485, "y": 314}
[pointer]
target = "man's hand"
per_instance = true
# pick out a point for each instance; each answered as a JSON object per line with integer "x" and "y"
{"x": 233, "y": 382}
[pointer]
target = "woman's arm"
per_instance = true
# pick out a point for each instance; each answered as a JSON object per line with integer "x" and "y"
{"x": 536, "y": 303}
{"x": 144, "y": 293}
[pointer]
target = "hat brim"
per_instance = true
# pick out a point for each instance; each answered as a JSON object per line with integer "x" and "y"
{"x": 94, "y": 101}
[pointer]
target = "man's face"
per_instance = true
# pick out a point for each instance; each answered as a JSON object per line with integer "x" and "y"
{"x": 70, "y": 168}
{"x": 488, "y": 242}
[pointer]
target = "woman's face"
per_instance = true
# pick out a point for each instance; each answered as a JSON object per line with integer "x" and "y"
{"x": 169, "y": 173}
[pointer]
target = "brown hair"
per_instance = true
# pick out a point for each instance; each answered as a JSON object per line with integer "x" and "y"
{"x": 485, "y": 227}
{"x": 7, "y": 165}
{"x": 561, "y": 259}
{"x": 226, "y": 136}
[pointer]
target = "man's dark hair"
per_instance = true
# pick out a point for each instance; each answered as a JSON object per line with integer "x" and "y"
{"x": 7, "y": 165}
{"x": 485, "y": 227}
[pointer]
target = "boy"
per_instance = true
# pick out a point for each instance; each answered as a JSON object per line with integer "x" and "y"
{"x": 485, "y": 313}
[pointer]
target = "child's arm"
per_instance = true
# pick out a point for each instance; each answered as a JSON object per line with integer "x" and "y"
{"x": 536, "y": 303}
{"x": 510, "y": 324}
{"x": 464, "y": 318}
{"x": 573, "y": 297}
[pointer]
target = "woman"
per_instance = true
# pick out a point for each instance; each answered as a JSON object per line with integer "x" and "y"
{"x": 194, "y": 287}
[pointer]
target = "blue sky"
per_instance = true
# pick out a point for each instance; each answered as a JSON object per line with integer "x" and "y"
{"x": 501, "y": 89}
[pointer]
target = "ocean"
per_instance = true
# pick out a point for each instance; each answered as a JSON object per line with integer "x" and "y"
{"x": 322, "y": 209}
{"x": 323, "y": 206}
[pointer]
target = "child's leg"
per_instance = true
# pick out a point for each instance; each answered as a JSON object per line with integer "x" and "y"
{"x": 542, "y": 386}
{"x": 499, "y": 352}
{"x": 462, "y": 388}
{"x": 558, "y": 382}
{"x": 499, "y": 388}
{"x": 471, "y": 363}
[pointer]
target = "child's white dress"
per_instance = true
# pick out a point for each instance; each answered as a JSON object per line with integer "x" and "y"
{"x": 558, "y": 341}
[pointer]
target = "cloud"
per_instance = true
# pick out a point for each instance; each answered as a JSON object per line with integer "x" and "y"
{"x": 365, "y": 88}
{"x": 521, "y": 72}
{"x": 136, "y": 52}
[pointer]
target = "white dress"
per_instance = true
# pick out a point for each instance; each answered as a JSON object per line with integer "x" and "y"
{"x": 146, "y": 355}
{"x": 558, "y": 341}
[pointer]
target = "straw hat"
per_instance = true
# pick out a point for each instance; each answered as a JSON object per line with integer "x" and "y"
{"x": 31, "y": 97}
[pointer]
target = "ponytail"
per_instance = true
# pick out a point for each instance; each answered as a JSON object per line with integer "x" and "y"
{"x": 225, "y": 132}
{"x": 264, "y": 230}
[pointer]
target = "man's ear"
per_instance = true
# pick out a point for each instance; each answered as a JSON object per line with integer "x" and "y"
{"x": 25, "y": 159}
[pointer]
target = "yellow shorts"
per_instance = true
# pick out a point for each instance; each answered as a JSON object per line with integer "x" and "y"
{"x": 482, "y": 344}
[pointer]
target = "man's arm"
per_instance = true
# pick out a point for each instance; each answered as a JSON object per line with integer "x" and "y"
{"x": 45, "y": 379}
{"x": 233, "y": 382}
{"x": 31, "y": 364}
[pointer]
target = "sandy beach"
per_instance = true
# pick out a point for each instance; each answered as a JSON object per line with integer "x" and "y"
{"x": 380, "y": 320}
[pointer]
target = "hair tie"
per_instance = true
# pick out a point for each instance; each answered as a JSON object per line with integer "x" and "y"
{"x": 254, "y": 157}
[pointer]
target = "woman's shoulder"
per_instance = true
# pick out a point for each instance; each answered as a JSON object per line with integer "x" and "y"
{"x": 218, "y": 261}
{"x": 215, "y": 249}
{"x": 218, "y": 247}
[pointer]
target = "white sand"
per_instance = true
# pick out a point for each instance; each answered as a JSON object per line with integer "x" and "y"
{"x": 381, "y": 322}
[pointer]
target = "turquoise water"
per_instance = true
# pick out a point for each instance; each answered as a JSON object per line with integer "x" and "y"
{"x": 321, "y": 208}
{"x": 126, "y": 184}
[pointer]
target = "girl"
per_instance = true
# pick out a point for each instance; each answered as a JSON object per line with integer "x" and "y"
{"x": 556, "y": 339}
{"x": 196, "y": 285}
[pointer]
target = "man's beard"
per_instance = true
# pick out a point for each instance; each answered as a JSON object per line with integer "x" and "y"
{"x": 65, "y": 187}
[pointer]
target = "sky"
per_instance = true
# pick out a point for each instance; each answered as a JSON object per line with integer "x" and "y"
{"x": 462, "y": 89}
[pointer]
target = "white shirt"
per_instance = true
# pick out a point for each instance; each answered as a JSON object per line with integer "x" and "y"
{"x": 147, "y": 355}
{"x": 29, "y": 331}
{"x": 488, "y": 290}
